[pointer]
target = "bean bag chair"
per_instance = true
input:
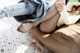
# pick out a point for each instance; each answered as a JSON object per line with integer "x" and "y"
{"x": 65, "y": 39}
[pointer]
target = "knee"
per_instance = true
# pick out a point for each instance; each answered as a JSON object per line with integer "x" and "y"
{"x": 45, "y": 29}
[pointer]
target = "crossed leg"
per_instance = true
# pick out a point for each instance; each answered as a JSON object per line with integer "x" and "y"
{"x": 51, "y": 18}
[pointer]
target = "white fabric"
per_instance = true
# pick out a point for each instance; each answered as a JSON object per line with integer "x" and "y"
{"x": 70, "y": 4}
{"x": 67, "y": 18}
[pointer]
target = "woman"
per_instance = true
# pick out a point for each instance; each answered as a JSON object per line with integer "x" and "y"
{"x": 50, "y": 15}
{"x": 50, "y": 21}
{"x": 59, "y": 42}
{"x": 31, "y": 12}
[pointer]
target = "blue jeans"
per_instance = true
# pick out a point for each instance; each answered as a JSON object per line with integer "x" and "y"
{"x": 17, "y": 9}
{"x": 34, "y": 10}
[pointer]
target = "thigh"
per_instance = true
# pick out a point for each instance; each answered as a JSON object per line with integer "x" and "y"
{"x": 50, "y": 24}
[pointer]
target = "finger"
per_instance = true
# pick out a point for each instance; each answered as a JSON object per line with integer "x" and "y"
{"x": 61, "y": 4}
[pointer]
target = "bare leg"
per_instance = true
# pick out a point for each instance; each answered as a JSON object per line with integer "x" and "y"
{"x": 50, "y": 24}
{"x": 26, "y": 27}
{"x": 57, "y": 41}
{"x": 48, "y": 42}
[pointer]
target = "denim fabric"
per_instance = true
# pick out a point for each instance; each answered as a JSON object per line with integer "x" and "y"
{"x": 26, "y": 10}
{"x": 41, "y": 6}
{"x": 16, "y": 10}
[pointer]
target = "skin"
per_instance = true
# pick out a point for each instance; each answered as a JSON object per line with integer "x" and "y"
{"x": 47, "y": 21}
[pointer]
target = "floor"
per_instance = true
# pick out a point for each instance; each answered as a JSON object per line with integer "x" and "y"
{"x": 12, "y": 41}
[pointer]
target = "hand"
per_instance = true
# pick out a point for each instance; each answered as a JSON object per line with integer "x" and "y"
{"x": 60, "y": 6}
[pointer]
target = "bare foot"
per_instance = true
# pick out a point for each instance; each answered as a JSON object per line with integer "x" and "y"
{"x": 24, "y": 27}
